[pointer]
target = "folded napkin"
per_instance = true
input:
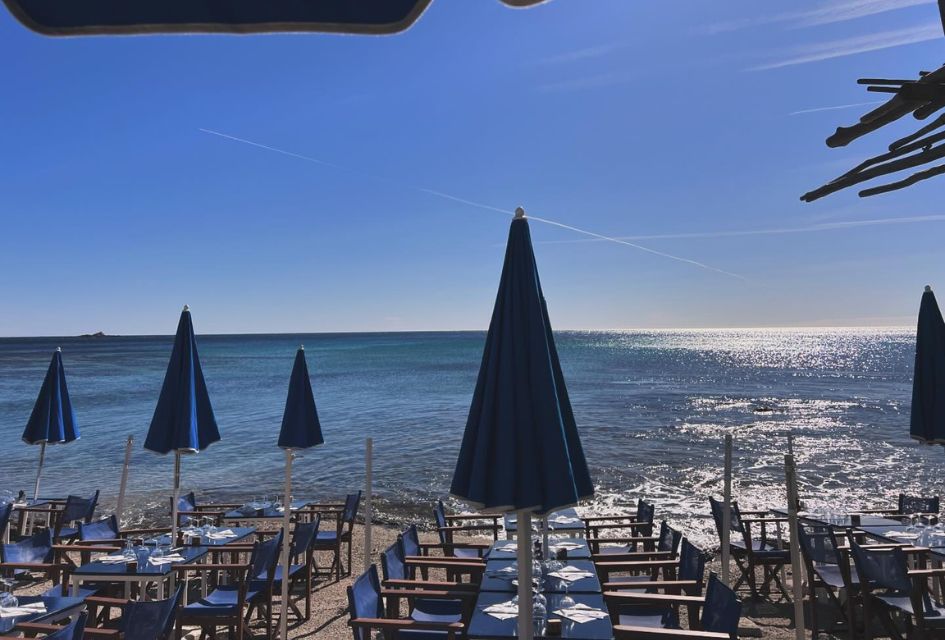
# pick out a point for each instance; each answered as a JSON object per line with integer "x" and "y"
{"x": 901, "y": 534}
{"x": 220, "y": 535}
{"x": 504, "y": 572}
{"x": 571, "y": 574}
{"x": 563, "y": 520}
{"x": 509, "y": 546}
{"x": 168, "y": 559}
{"x": 502, "y": 610}
{"x": 570, "y": 546}
{"x": 582, "y": 613}
{"x": 23, "y": 610}
{"x": 117, "y": 559}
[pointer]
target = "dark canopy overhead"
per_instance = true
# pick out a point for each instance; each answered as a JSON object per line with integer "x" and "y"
{"x": 85, "y": 17}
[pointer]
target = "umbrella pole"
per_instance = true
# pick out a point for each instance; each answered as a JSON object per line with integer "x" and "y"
{"x": 124, "y": 481}
{"x": 524, "y": 527}
{"x": 287, "y": 513}
{"x": 727, "y": 510}
{"x": 790, "y": 473}
{"x": 176, "y": 497}
{"x": 39, "y": 472}
{"x": 368, "y": 490}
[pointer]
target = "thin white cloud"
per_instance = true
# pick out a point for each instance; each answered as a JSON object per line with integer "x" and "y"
{"x": 814, "y": 228}
{"x": 835, "y": 107}
{"x": 583, "y": 54}
{"x": 590, "y": 82}
{"x": 858, "y": 44}
{"x": 828, "y": 13}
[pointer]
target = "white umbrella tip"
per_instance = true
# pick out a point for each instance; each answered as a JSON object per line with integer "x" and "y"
{"x": 186, "y": 307}
{"x": 301, "y": 347}
{"x": 59, "y": 349}
{"x": 928, "y": 288}
{"x": 519, "y": 212}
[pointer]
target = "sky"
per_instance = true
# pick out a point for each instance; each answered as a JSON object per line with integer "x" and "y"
{"x": 309, "y": 182}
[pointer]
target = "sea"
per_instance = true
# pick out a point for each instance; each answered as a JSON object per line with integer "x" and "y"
{"x": 652, "y": 408}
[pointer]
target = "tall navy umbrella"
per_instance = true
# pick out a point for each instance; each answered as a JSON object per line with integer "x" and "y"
{"x": 521, "y": 450}
{"x": 52, "y": 420}
{"x": 85, "y": 17}
{"x": 927, "y": 422}
{"x": 300, "y": 430}
{"x": 183, "y": 419}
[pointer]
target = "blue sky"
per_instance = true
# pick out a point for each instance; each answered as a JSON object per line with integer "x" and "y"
{"x": 680, "y": 124}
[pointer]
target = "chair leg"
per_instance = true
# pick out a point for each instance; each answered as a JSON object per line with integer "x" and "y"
{"x": 178, "y": 630}
{"x": 349, "y": 558}
{"x": 812, "y": 599}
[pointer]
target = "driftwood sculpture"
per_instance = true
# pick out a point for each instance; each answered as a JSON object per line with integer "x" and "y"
{"x": 922, "y": 98}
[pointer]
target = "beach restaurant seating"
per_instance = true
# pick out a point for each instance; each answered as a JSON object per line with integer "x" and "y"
{"x": 333, "y": 540}
{"x": 892, "y": 591}
{"x": 368, "y": 612}
{"x": 6, "y": 512}
{"x": 64, "y": 521}
{"x": 828, "y": 569}
{"x": 301, "y": 565}
{"x": 398, "y": 575}
{"x": 249, "y": 588}
{"x": 713, "y": 617}
{"x": 448, "y": 525}
{"x": 31, "y": 556}
{"x": 627, "y": 570}
{"x": 188, "y": 509}
{"x": 750, "y": 552}
{"x": 667, "y": 548}
{"x": 639, "y": 525}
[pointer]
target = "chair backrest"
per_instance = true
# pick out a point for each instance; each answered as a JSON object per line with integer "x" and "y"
{"x": 393, "y": 562}
{"x": 668, "y": 539}
{"x": 264, "y": 558}
{"x": 917, "y": 504}
{"x": 6, "y": 510}
{"x": 736, "y": 526}
{"x": 350, "y": 512}
{"x": 72, "y": 631}
{"x": 439, "y": 517}
{"x": 303, "y": 535}
{"x": 645, "y": 511}
{"x": 722, "y": 609}
{"x": 691, "y": 565}
{"x": 36, "y": 548}
{"x": 186, "y": 502}
{"x": 818, "y": 543}
{"x": 78, "y": 509}
{"x": 150, "y": 620}
{"x": 411, "y": 541}
{"x": 882, "y": 568}
{"x": 104, "y": 529}
{"x": 364, "y": 600}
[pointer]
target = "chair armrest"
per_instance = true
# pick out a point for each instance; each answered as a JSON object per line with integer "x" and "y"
{"x": 429, "y": 593}
{"x": 85, "y": 547}
{"x": 653, "y": 598}
{"x": 216, "y": 506}
{"x": 102, "y": 601}
{"x": 763, "y": 520}
{"x": 622, "y": 632}
{"x": 431, "y": 584}
{"x": 473, "y": 516}
{"x": 639, "y": 565}
{"x": 385, "y": 623}
{"x": 633, "y": 556}
{"x": 144, "y": 532}
{"x": 438, "y": 563}
{"x": 927, "y": 573}
{"x": 471, "y": 527}
{"x": 620, "y": 525}
{"x": 452, "y": 560}
{"x": 649, "y": 584}
{"x": 455, "y": 545}
{"x": 35, "y": 566}
{"x": 38, "y": 509}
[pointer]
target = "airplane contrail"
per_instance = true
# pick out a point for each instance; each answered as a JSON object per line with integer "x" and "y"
{"x": 472, "y": 203}
{"x": 835, "y": 107}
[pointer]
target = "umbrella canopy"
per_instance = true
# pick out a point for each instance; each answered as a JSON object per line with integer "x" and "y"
{"x": 300, "y": 426}
{"x": 52, "y": 420}
{"x": 927, "y": 423}
{"x": 84, "y": 17}
{"x": 521, "y": 448}
{"x": 183, "y": 419}
{"x": 300, "y": 430}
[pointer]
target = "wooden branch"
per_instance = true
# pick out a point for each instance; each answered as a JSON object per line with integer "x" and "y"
{"x": 906, "y": 182}
{"x": 935, "y": 124}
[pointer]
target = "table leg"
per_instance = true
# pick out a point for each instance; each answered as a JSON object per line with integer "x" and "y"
{"x": 75, "y": 582}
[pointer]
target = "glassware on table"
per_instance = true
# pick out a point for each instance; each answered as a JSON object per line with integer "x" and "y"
{"x": 7, "y": 599}
{"x": 539, "y": 614}
{"x": 566, "y": 601}
{"x": 157, "y": 553}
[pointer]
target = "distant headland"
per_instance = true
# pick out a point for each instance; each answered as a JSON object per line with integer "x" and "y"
{"x": 97, "y": 334}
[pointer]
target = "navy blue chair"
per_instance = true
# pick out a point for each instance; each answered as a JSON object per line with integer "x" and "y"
{"x": 249, "y": 589}
{"x": 76, "y": 509}
{"x": 829, "y": 570}
{"x": 667, "y": 548}
{"x": 367, "y": 612}
{"x": 73, "y": 630}
{"x": 301, "y": 564}
{"x": 188, "y": 509}
{"x": 470, "y": 523}
{"x": 712, "y": 617}
{"x": 31, "y": 556}
{"x": 333, "y": 541}
{"x": 891, "y": 592}
{"x": 683, "y": 574}
{"x": 141, "y": 620}
{"x": 749, "y": 552}
{"x": 639, "y": 526}
{"x": 6, "y": 511}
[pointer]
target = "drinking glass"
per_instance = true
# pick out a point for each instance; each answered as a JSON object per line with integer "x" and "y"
{"x": 7, "y": 599}
{"x": 566, "y": 601}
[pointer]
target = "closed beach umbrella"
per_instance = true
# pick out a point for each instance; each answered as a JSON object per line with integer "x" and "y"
{"x": 521, "y": 450}
{"x": 927, "y": 422}
{"x": 300, "y": 430}
{"x": 52, "y": 420}
{"x": 183, "y": 419}
{"x": 86, "y": 17}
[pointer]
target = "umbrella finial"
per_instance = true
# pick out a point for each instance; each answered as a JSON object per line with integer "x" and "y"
{"x": 186, "y": 308}
{"x": 301, "y": 347}
{"x": 928, "y": 288}
{"x": 59, "y": 349}
{"x": 519, "y": 212}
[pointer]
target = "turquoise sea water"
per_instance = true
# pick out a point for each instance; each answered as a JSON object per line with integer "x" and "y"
{"x": 652, "y": 408}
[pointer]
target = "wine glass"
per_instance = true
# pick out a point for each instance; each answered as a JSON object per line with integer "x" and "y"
{"x": 566, "y": 601}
